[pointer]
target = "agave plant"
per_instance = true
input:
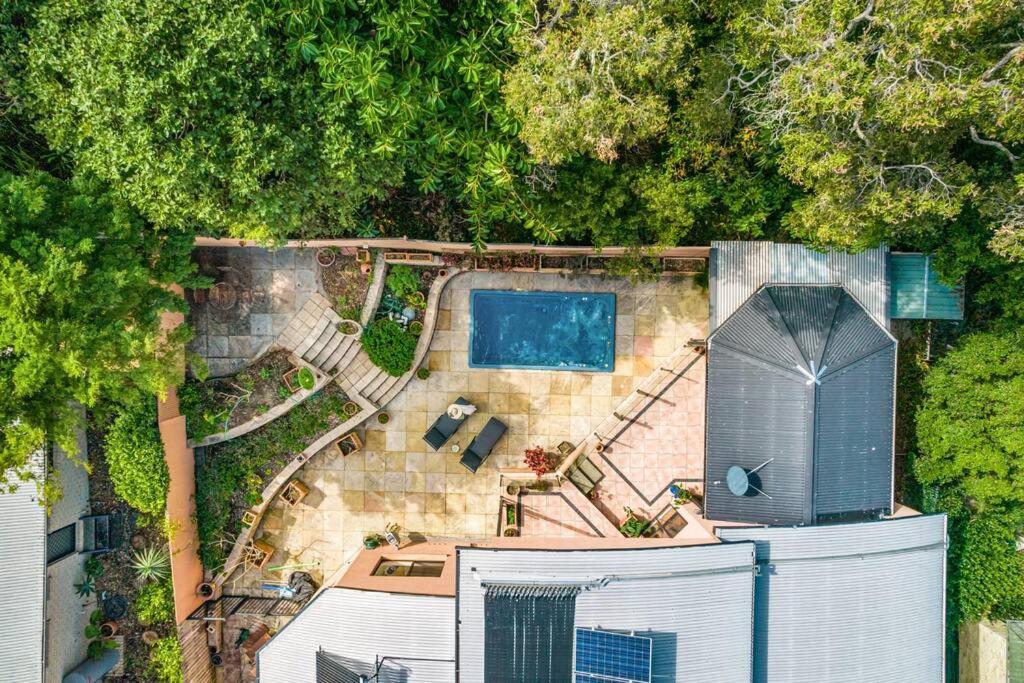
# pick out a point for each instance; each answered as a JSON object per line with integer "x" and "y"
{"x": 152, "y": 564}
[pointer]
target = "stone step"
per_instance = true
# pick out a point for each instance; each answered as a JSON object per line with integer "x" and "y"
{"x": 334, "y": 360}
{"x": 370, "y": 377}
{"x": 318, "y": 329}
{"x": 349, "y": 357}
{"x": 329, "y": 348}
{"x": 385, "y": 389}
{"x": 326, "y": 334}
{"x": 371, "y": 388}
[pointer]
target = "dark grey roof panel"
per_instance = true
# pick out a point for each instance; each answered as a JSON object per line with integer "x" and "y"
{"x": 756, "y": 329}
{"x": 807, "y": 312}
{"x": 849, "y": 603}
{"x": 853, "y": 335}
{"x": 759, "y": 413}
{"x": 853, "y": 452}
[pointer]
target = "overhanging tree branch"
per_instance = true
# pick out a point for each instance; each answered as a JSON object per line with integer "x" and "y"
{"x": 993, "y": 143}
{"x": 1003, "y": 61}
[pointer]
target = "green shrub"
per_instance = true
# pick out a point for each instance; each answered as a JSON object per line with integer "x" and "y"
{"x": 152, "y": 563}
{"x": 135, "y": 456}
{"x": 155, "y": 603}
{"x": 165, "y": 660}
{"x": 402, "y": 281}
{"x": 203, "y": 415}
{"x": 986, "y": 571}
{"x": 306, "y": 379}
{"x": 389, "y": 346}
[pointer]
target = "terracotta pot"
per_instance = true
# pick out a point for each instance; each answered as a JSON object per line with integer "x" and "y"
{"x": 599, "y": 447}
{"x": 326, "y": 257}
{"x": 150, "y": 637}
{"x": 108, "y": 629}
{"x": 511, "y": 531}
{"x": 442, "y": 273}
{"x": 206, "y": 590}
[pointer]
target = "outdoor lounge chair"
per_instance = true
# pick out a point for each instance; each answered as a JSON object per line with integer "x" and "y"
{"x": 480, "y": 447}
{"x": 444, "y": 427}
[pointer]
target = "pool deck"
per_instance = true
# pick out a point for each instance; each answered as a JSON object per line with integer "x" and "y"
{"x": 398, "y": 479}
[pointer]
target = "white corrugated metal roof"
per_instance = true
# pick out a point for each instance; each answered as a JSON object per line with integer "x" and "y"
{"x": 738, "y": 269}
{"x": 850, "y": 602}
{"x": 23, "y": 558}
{"x": 694, "y": 601}
{"x": 416, "y": 633}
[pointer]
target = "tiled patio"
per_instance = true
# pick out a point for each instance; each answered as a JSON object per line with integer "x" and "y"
{"x": 397, "y": 479}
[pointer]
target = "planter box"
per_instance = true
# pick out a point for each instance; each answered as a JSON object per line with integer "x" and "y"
{"x": 350, "y": 443}
{"x": 291, "y": 379}
{"x": 250, "y": 518}
{"x": 257, "y": 554}
{"x": 684, "y": 266}
{"x": 363, "y": 256}
{"x": 408, "y": 257}
{"x": 294, "y": 492}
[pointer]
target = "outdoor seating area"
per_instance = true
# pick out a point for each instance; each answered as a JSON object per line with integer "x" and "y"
{"x": 480, "y": 447}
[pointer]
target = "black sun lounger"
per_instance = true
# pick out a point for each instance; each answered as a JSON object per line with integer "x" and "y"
{"x": 480, "y": 447}
{"x": 444, "y": 427}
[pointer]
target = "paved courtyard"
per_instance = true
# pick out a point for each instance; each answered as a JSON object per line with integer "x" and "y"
{"x": 398, "y": 479}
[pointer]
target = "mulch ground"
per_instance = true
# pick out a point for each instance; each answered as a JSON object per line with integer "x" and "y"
{"x": 345, "y": 285}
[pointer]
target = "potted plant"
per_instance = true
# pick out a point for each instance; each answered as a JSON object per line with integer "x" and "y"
{"x": 633, "y": 526}
{"x": 510, "y": 532}
{"x": 383, "y": 418}
{"x": 513, "y": 489}
{"x": 538, "y": 460}
{"x": 291, "y": 381}
{"x": 680, "y": 495}
{"x": 423, "y": 373}
{"x": 108, "y": 629}
{"x": 510, "y": 515}
{"x": 371, "y": 541}
{"x": 306, "y": 378}
{"x": 349, "y": 328}
{"x": 415, "y": 328}
{"x": 206, "y": 590}
{"x": 326, "y": 256}
{"x": 294, "y": 492}
{"x": 350, "y": 408}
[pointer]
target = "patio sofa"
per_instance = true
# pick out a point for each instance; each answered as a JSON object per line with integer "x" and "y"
{"x": 480, "y": 447}
{"x": 444, "y": 427}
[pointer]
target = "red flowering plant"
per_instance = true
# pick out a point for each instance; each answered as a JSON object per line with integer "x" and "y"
{"x": 538, "y": 460}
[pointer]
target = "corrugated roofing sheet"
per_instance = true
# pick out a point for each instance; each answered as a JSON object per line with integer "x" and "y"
{"x": 738, "y": 269}
{"x": 801, "y": 376}
{"x": 849, "y": 603}
{"x": 917, "y": 292}
{"x": 694, "y": 602}
{"x": 415, "y": 632}
{"x": 23, "y": 558}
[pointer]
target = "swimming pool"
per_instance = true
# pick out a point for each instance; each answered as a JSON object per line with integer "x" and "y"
{"x": 542, "y": 330}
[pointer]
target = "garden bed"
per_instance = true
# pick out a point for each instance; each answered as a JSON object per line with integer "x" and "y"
{"x": 231, "y": 476}
{"x": 346, "y": 285}
{"x": 218, "y": 405}
{"x": 119, "y": 577}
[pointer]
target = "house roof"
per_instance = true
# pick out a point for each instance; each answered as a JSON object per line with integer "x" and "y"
{"x": 738, "y": 269}
{"x": 23, "y": 557}
{"x": 849, "y": 602}
{"x": 694, "y": 602}
{"x": 800, "y": 392}
{"x": 352, "y": 629}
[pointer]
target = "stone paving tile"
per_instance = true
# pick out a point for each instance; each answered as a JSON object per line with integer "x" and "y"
{"x": 398, "y": 479}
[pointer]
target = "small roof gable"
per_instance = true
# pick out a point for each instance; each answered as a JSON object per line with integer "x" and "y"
{"x": 800, "y": 395}
{"x": 849, "y": 602}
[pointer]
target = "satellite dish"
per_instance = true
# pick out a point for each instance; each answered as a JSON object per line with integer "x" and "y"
{"x": 738, "y": 479}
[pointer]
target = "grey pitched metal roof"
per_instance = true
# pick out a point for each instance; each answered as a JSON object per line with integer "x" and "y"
{"x": 23, "y": 557}
{"x": 738, "y": 269}
{"x": 695, "y": 602}
{"x": 416, "y": 633}
{"x": 801, "y": 376}
{"x": 855, "y": 603}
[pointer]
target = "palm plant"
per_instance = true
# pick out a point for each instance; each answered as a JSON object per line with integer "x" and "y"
{"x": 152, "y": 563}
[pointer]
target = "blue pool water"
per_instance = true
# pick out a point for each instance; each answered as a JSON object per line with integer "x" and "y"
{"x": 542, "y": 330}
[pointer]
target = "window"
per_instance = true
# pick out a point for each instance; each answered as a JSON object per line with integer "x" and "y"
{"x": 408, "y": 568}
{"x": 60, "y": 544}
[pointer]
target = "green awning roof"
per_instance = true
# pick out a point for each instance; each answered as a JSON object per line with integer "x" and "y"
{"x": 918, "y": 294}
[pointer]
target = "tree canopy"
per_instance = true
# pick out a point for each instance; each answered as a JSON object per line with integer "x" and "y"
{"x": 82, "y": 287}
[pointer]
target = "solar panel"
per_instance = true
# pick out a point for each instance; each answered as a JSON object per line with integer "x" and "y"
{"x": 603, "y": 656}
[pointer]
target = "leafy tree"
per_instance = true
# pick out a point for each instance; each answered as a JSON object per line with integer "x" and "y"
{"x": 195, "y": 113}
{"x": 81, "y": 292}
{"x": 881, "y": 113}
{"x": 135, "y": 456}
{"x": 594, "y": 78}
{"x": 165, "y": 660}
{"x": 969, "y": 427}
{"x": 420, "y": 81}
